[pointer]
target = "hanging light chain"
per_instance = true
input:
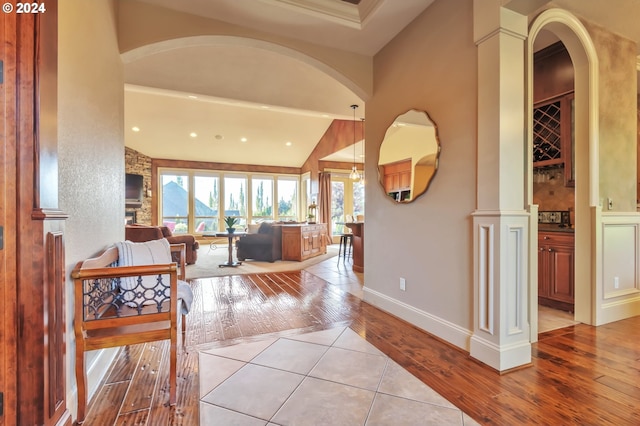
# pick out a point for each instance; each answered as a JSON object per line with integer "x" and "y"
{"x": 354, "y": 171}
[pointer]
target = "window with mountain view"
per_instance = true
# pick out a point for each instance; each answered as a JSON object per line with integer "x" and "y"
{"x": 205, "y": 203}
{"x": 175, "y": 202}
{"x": 197, "y": 201}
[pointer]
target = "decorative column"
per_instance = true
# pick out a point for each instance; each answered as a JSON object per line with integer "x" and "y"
{"x": 500, "y": 223}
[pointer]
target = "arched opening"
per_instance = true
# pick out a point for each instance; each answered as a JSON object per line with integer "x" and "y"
{"x": 236, "y": 82}
{"x": 568, "y": 29}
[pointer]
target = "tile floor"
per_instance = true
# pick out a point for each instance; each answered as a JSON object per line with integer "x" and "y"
{"x": 338, "y": 271}
{"x": 331, "y": 377}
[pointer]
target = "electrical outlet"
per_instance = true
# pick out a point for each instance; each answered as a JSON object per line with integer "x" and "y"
{"x": 610, "y": 203}
{"x": 403, "y": 284}
{"x": 616, "y": 282}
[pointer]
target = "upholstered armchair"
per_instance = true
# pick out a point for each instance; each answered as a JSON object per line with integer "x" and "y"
{"x": 140, "y": 233}
{"x": 264, "y": 245}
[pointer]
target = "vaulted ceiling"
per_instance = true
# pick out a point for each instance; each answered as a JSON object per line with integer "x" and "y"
{"x": 224, "y": 93}
{"x": 281, "y": 105}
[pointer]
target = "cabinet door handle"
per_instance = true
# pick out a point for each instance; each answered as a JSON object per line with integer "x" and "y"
{"x": 546, "y": 237}
{"x": 550, "y": 250}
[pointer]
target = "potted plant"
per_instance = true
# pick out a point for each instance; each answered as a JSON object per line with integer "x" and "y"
{"x": 230, "y": 222}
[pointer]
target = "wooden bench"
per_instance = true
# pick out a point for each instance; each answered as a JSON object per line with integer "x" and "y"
{"x": 106, "y": 316}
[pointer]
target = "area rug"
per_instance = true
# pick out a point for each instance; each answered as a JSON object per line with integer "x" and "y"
{"x": 210, "y": 258}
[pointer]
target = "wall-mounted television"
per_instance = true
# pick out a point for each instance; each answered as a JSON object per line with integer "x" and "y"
{"x": 134, "y": 187}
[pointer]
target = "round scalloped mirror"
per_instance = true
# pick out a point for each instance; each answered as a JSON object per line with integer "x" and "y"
{"x": 408, "y": 156}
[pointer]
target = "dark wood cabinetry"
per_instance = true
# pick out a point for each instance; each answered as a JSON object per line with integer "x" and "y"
{"x": 556, "y": 270}
{"x": 300, "y": 242}
{"x": 553, "y": 110}
{"x": 553, "y": 135}
{"x": 357, "y": 229}
{"x": 397, "y": 178}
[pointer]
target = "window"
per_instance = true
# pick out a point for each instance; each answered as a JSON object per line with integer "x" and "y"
{"x": 287, "y": 199}
{"x": 196, "y": 201}
{"x": 205, "y": 204}
{"x": 306, "y": 191}
{"x": 262, "y": 198}
{"x": 175, "y": 202}
{"x": 358, "y": 198}
{"x": 337, "y": 204}
{"x": 347, "y": 199}
{"x": 235, "y": 202}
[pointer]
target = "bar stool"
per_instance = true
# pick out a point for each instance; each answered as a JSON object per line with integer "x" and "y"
{"x": 345, "y": 239}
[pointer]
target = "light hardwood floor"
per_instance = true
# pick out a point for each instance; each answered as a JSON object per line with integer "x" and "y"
{"x": 579, "y": 374}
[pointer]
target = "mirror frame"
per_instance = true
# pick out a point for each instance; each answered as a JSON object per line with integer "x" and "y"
{"x": 397, "y": 169}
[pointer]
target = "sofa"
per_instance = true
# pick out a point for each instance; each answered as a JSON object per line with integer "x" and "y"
{"x": 265, "y": 244}
{"x": 139, "y": 233}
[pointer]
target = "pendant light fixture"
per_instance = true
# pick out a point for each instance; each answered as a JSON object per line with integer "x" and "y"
{"x": 354, "y": 175}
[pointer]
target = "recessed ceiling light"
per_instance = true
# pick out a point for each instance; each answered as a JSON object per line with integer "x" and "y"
{"x": 218, "y": 137}
{"x": 288, "y": 144}
{"x": 135, "y": 128}
{"x": 193, "y": 134}
{"x": 243, "y": 139}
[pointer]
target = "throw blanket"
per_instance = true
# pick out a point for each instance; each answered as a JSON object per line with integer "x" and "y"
{"x": 149, "y": 253}
{"x": 186, "y": 295}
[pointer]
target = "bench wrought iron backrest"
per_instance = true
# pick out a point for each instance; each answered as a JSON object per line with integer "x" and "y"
{"x": 99, "y": 287}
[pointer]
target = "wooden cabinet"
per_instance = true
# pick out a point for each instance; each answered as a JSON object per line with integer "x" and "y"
{"x": 397, "y": 176}
{"x": 397, "y": 179}
{"x": 357, "y": 229}
{"x": 301, "y": 242}
{"x": 553, "y": 135}
{"x": 555, "y": 270}
{"x": 553, "y": 110}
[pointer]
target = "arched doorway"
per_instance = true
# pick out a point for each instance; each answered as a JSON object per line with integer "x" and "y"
{"x": 568, "y": 29}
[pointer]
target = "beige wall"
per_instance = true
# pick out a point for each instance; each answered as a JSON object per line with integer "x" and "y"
{"x": 141, "y": 25}
{"x": 617, "y": 92}
{"x": 91, "y": 144}
{"x": 430, "y": 66}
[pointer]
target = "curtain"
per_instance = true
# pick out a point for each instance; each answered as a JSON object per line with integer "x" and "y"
{"x": 324, "y": 201}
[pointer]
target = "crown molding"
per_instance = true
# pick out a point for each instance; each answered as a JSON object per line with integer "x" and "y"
{"x": 336, "y": 11}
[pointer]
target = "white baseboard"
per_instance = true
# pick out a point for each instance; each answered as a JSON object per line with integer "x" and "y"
{"x": 618, "y": 310}
{"x": 445, "y": 330}
{"x": 500, "y": 358}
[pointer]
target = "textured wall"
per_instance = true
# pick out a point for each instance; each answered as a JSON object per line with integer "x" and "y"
{"x": 90, "y": 133}
{"x": 618, "y": 121}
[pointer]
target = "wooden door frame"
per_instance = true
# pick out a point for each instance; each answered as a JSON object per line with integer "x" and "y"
{"x": 8, "y": 220}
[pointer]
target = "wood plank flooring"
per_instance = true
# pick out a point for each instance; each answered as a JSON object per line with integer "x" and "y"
{"x": 579, "y": 375}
